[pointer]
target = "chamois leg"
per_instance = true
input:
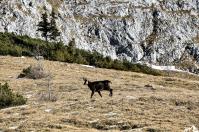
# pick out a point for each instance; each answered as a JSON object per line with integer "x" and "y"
{"x": 99, "y": 93}
{"x": 92, "y": 94}
{"x": 111, "y": 92}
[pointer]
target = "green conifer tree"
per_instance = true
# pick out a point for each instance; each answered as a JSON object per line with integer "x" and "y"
{"x": 54, "y": 32}
{"x": 44, "y": 26}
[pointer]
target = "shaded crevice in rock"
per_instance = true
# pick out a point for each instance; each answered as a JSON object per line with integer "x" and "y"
{"x": 188, "y": 60}
{"x": 5, "y": 25}
{"x": 4, "y": 11}
{"x": 93, "y": 31}
{"x": 113, "y": 41}
{"x": 197, "y": 4}
{"x": 97, "y": 33}
{"x": 130, "y": 37}
{"x": 193, "y": 51}
{"x": 125, "y": 24}
{"x": 147, "y": 45}
{"x": 155, "y": 15}
{"x": 30, "y": 4}
{"x": 180, "y": 3}
{"x": 121, "y": 49}
{"x": 124, "y": 49}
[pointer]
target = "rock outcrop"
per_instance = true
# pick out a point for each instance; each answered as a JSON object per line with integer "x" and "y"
{"x": 156, "y": 31}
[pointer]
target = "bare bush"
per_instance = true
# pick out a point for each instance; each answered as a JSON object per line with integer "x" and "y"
{"x": 48, "y": 95}
{"x": 33, "y": 72}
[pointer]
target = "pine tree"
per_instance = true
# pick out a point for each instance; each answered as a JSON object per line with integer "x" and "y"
{"x": 44, "y": 26}
{"x": 54, "y": 32}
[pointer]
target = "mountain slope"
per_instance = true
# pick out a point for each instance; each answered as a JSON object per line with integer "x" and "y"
{"x": 157, "y": 31}
{"x": 139, "y": 102}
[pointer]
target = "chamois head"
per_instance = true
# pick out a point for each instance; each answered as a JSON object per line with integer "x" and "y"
{"x": 85, "y": 80}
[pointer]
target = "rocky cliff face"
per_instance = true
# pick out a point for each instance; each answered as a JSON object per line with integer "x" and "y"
{"x": 157, "y": 31}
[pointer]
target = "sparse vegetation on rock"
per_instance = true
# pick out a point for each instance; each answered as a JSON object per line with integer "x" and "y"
{"x": 23, "y": 45}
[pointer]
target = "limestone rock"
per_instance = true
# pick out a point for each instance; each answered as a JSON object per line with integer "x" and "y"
{"x": 155, "y": 31}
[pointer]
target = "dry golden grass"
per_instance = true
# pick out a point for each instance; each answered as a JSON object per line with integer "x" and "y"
{"x": 140, "y": 102}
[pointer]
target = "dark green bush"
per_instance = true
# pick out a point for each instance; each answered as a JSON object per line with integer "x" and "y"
{"x": 58, "y": 55}
{"x": 25, "y": 72}
{"x": 8, "y": 98}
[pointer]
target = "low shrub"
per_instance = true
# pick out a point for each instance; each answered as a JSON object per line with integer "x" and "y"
{"x": 46, "y": 97}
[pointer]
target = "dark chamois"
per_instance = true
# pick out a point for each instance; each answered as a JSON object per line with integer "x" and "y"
{"x": 98, "y": 86}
